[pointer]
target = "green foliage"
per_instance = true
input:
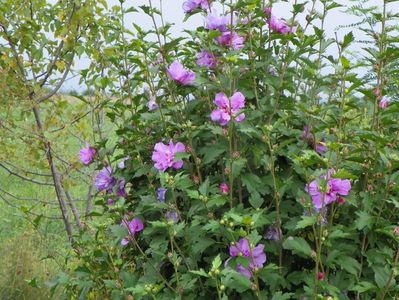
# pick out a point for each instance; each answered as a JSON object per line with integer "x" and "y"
{"x": 348, "y": 249}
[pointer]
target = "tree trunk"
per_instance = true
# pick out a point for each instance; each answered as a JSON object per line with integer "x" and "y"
{"x": 56, "y": 177}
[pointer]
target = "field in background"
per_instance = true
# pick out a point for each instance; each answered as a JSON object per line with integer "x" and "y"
{"x": 33, "y": 244}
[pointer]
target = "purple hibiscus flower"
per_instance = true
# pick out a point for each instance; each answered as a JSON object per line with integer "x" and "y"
{"x": 120, "y": 188}
{"x": 215, "y": 22}
{"x": 206, "y": 59}
{"x": 122, "y": 163}
{"x": 231, "y": 39}
{"x": 104, "y": 180}
{"x": 383, "y": 103}
{"x": 190, "y": 5}
{"x": 179, "y": 74}
{"x": 228, "y": 108}
{"x": 320, "y": 147}
{"x": 277, "y": 25}
{"x": 161, "y": 192}
{"x": 172, "y": 216}
{"x": 133, "y": 227}
{"x": 152, "y": 105}
{"x": 329, "y": 192}
{"x": 86, "y": 154}
{"x": 256, "y": 257}
{"x": 273, "y": 232}
{"x": 164, "y": 155}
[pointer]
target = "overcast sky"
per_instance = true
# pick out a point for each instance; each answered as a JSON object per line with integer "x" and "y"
{"x": 335, "y": 21}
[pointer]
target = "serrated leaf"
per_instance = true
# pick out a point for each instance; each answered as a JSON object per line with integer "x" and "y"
{"x": 216, "y": 263}
{"x": 280, "y": 296}
{"x": 364, "y": 220}
{"x": 204, "y": 188}
{"x": 200, "y": 272}
{"x": 348, "y": 38}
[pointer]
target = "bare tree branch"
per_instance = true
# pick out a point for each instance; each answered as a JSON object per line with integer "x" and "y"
{"x": 59, "y": 84}
{"x": 77, "y": 119}
{"x": 74, "y": 210}
{"x": 26, "y": 171}
{"x": 56, "y": 178}
{"x": 23, "y": 177}
{"x": 89, "y": 204}
{"x": 28, "y": 212}
{"x": 26, "y": 199}
{"x": 52, "y": 64}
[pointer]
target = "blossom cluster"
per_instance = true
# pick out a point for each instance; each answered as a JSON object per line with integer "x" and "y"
{"x": 228, "y": 37}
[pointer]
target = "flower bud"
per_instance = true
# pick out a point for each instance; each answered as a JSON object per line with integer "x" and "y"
{"x": 236, "y": 154}
{"x": 195, "y": 179}
{"x": 320, "y": 276}
{"x": 224, "y": 188}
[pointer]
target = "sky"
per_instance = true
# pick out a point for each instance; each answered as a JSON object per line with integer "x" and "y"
{"x": 335, "y": 21}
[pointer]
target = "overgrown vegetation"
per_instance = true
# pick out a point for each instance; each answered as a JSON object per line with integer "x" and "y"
{"x": 244, "y": 159}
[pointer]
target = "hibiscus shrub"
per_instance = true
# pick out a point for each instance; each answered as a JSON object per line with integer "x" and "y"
{"x": 249, "y": 164}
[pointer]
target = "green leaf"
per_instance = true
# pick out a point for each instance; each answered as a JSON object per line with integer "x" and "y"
{"x": 235, "y": 280}
{"x": 193, "y": 194}
{"x": 204, "y": 188}
{"x": 364, "y": 220}
{"x": 33, "y": 282}
{"x": 118, "y": 231}
{"x": 216, "y": 263}
{"x": 158, "y": 224}
{"x": 381, "y": 275}
{"x": 211, "y": 153}
{"x": 363, "y": 286}
{"x": 200, "y": 272}
{"x": 306, "y": 221}
{"x": 345, "y": 62}
{"x": 256, "y": 200}
{"x": 344, "y": 174}
{"x": 336, "y": 234}
{"x": 297, "y": 245}
{"x": 280, "y": 296}
{"x": 238, "y": 165}
{"x": 348, "y": 38}
{"x": 349, "y": 264}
